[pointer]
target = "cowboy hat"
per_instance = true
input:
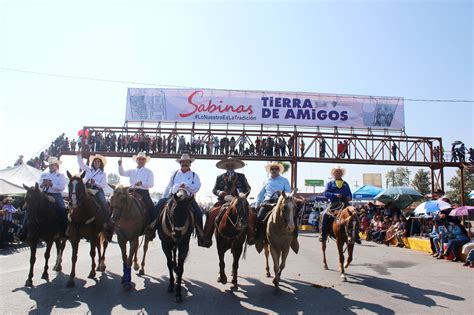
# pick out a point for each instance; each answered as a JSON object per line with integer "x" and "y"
{"x": 185, "y": 157}
{"x": 99, "y": 157}
{"x": 54, "y": 160}
{"x": 141, "y": 155}
{"x": 6, "y": 199}
{"x": 274, "y": 164}
{"x": 338, "y": 168}
{"x": 224, "y": 163}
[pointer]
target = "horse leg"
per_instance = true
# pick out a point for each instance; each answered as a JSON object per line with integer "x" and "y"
{"x": 47, "y": 252}
{"x": 222, "y": 278}
{"x": 323, "y": 247}
{"x": 183, "y": 252}
{"x": 123, "y": 249}
{"x": 237, "y": 251}
{"x": 340, "y": 249}
{"x": 33, "y": 245}
{"x": 135, "y": 260}
{"x": 284, "y": 254}
{"x": 350, "y": 250}
{"x": 92, "y": 254}
{"x": 168, "y": 251}
{"x": 276, "y": 266}
{"x": 60, "y": 244}
{"x": 75, "y": 247}
{"x": 145, "y": 249}
{"x": 267, "y": 267}
{"x": 105, "y": 243}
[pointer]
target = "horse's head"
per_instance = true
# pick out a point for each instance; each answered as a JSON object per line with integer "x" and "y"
{"x": 287, "y": 208}
{"x": 239, "y": 210}
{"x": 119, "y": 198}
{"x": 178, "y": 213}
{"x": 77, "y": 189}
{"x": 348, "y": 218}
{"x": 33, "y": 197}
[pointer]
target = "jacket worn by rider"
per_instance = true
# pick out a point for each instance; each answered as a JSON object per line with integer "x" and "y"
{"x": 232, "y": 183}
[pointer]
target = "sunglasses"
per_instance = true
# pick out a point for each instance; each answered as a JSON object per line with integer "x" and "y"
{"x": 274, "y": 169}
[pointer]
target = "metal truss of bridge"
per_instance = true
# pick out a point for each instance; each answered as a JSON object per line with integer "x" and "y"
{"x": 364, "y": 146}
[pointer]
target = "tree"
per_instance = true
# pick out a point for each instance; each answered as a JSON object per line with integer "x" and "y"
{"x": 422, "y": 182}
{"x": 113, "y": 179}
{"x": 455, "y": 183}
{"x": 399, "y": 177}
{"x": 286, "y": 167}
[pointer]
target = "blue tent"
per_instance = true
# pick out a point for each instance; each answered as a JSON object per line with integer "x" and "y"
{"x": 366, "y": 192}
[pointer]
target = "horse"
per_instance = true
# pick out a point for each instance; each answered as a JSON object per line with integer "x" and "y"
{"x": 280, "y": 233}
{"x": 176, "y": 223}
{"x": 131, "y": 219}
{"x": 343, "y": 229}
{"x": 87, "y": 221}
{"x": 44, "y": 223}
{"x": 231, "y": 231}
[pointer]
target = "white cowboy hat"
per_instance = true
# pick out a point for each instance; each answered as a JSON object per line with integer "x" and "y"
{"x": 7, "y": 199}
{"x": 141, "y": 155}
{"x": 185, "y": 157}
{"x": 236, "y": 163}
{"x": 273, "y": 164}
{"x": 54, "y": 160}
{"x": 100, "y": 157}
{"x": 338, "y": 168}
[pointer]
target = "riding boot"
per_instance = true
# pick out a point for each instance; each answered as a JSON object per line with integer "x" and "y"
{"x": 251, "y": 228}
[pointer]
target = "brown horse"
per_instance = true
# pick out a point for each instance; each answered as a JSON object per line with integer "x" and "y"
{"x": 175, "y": 225}
{"x": 280, "y": 233}
{"x": 131, "y": 219}
{"x": 231, "y": 231}
{"x": 343, "y": 229}
{"x": 43, "y": 224}
{"x": 87, "y": 221}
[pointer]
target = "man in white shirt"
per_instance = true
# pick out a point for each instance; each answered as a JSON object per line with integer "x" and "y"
{"x": 141, "y": 178}
{"x": 53, "y": 183}
{"x": 189, "y": 180}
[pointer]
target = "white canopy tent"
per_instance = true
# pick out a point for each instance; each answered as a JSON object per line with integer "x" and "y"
{"x": 21, "y": 174}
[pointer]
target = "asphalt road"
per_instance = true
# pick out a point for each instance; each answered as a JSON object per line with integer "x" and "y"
{"x": 381, "y": 280}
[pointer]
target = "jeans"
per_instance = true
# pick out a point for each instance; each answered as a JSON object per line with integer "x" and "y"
{"x": 454, "y": 244}
{"x": 62, "y": 207}
{"x": 155, "y": 212}
{"x": 438, "y": 245}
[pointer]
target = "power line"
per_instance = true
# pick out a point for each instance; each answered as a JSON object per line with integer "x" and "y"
{"x": 65, "y": 76}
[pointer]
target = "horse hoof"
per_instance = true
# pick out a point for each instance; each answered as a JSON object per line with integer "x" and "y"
{"x": 343, "y": 278}
{"x": 29, "y": 283}
{"x": 178, "y": 299}
{"x": 70, "y": 284}
{"x": 136, "y": 267}
{"x": 58, "y": 268}
{"x": 222, "y": 279}
{"x": 91, "y": 275}
{"x": 235, "y": 287}
{"x": 141, "y": 272}
{"x": 326, "y": 268}
{"x": 269, "y": 275}
{"x": 127, "y": 286}
{"x": 45, "y": 276}
{"x": 170, "y": 288}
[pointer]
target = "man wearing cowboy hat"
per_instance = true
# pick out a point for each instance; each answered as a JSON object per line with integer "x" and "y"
{"x": 6, "y": 220}
{"x": 141, "y": 178}
{"x": 96, "y": 179}
{"x": 53, "y": 183}
{"x": 339, "y": 194}
{"x": 227, "y": 185}
{"x": 269, "y": 193}
{"x": 189, "y": 180}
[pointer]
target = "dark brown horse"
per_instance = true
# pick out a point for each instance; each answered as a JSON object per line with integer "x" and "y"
{"x": 43, "y": 224}
{"x": 87, "y": 221}
{"x": 175, "y": 226}
{"x": 280, "y": 233}
{"x": 343, "y": 229}
{"x": 131, "y": 219}
{"x": 231, "y": 231}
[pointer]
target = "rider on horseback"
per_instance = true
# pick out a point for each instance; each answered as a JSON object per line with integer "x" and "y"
{"x": 53, "y": 183}
{"x": 96, "y": 180}
{"x": 141, "y": 178}
{"x": 227, "y": 185}
{"x": 339, "y": 194}
{"x": 189, "y": 180}
{"x": 269, "y": 195}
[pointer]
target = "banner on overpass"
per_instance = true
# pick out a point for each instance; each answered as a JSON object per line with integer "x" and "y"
{"x": 268, "y": 108}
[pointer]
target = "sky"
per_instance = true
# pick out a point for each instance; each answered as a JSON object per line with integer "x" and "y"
{"x": 411, "y": 49}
